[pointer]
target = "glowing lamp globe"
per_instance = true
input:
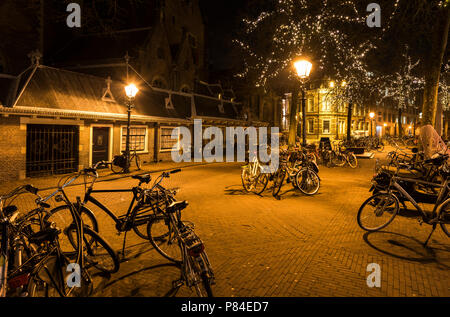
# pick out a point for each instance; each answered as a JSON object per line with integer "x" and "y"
{"x": 131, "y": 90}
{"x": 303, "y": 68}
{"x": 371, "y": 115}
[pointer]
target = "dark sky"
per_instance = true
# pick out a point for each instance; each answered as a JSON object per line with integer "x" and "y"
{"x": 222, "y": 19}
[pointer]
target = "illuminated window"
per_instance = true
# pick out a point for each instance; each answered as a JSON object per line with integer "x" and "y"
{"x": 326, "y": 104}
{"x": 167, "y": 142}
{"x": 310, "y": 105}
{"x": 310, "y": 125}
{"x": 138, "y": 136}
{"x": 326, "y": 126}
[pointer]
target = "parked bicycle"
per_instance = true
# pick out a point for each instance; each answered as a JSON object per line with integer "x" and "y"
{"x": 141, "y": 208}
{"x": 379, "y": 210}
{"x": 176, "y": 241}
{"x": 119, "y": 163}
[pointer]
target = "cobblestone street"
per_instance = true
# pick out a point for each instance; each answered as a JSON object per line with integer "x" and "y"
{"x": 297, "y": 246}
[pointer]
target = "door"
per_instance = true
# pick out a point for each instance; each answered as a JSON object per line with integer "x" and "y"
{"x": 100, "y": 144}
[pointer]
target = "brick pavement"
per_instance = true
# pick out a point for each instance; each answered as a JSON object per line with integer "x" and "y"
{"x": 297, "y": 246}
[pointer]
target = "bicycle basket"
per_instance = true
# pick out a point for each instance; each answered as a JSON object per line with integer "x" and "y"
{"x": 119, "y": 160}
{"x": 382, "y": 180}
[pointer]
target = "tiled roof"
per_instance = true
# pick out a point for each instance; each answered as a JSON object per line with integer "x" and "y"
{"x": 56, "y": 89}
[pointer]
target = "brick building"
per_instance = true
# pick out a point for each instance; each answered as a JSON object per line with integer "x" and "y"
{"x": 61, "y": 121}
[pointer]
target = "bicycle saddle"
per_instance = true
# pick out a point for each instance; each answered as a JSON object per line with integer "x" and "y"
{"x": 176, "y": 205}
{"x": 44, "y": 235}
{"x": 143, "y": 178}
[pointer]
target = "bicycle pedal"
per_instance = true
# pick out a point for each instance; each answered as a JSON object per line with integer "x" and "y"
{"x": 177, "y": 284}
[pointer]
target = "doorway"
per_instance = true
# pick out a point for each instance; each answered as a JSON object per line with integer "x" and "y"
{"x": 100, "y": 144}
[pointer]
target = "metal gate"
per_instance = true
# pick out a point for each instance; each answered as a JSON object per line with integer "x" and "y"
{"x": 51, "y": 149}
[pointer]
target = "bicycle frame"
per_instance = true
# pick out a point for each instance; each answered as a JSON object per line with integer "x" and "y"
{"x": 89, "y": 198}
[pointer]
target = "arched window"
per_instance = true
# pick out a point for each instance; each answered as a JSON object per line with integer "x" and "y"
{"x": 186, "y": 89}
{"x": 158, "y": 82}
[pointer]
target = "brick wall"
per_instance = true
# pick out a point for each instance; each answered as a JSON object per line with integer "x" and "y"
{"x": 13, "y": 149}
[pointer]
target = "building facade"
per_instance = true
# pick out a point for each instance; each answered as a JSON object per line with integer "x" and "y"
{"x": 62, "y": 121}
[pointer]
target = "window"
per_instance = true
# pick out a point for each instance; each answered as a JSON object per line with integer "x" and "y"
{"x": 310, "y": 125}
{"x": 341, "y": 127}
{"x": 138, "y": 136}
{"x": 285, "y": 114}
{"x": 158, "y": 83}
{"x": 311, "y": 105}
{"x": 326, "y": 126}
{"x": 167, "y": 143}
{"x": 326, "y": 105}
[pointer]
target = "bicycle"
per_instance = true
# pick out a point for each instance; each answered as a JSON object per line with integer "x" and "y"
{"x": 119, "y": 163}
{"x": 80, "y": 224}
{"x": 140, "y": 210}
{"x": 252, "y": 177}
{"x": 196, "y": 269}
{"x": 38, "y": 262}
{"x": 386, "y": 203}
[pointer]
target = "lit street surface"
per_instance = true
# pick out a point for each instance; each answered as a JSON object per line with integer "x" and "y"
{"x": 297, "y": 246}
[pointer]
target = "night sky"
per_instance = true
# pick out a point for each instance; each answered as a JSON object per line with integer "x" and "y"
{"x": 222, "y": 19}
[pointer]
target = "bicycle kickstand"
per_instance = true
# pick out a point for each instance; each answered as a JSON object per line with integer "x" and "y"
{"x": 123, "y": 247}
{"x": 426, "y": 242}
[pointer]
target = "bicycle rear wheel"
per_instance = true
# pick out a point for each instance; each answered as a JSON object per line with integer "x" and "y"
{"x": 278, "y": 180}
{"x": 377, "y": 212}
{"x": 444, "y": 217}
{"x": 163, "y": 238}
{"x": 201, "y": 267}
{"x": 116, "y": 169}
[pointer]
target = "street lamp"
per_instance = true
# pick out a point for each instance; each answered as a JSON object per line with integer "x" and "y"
{"x": 303, "y": 68}
{"x": 371, "y": 115}
{"x": 131, "y": 90}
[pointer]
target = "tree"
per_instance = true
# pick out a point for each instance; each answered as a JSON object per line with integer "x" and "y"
{"x": 402, "y": 86}
{"x": 329, "y": 34}
{"x": 422, "y": 25}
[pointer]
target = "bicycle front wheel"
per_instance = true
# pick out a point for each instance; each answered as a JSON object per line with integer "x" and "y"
{"x": 444, "y": 217}
{"x": 63, "y": 219}
{"x": 97, "y": 252}
{"x": 352, "y": 161}
{"x": 116, "y": 169}
{"x": 163, "y": 238}
{"x": 308, "y": 182}
{"x": 50, "y": 280}
{"x": 339, "y": 160}
{"x": 246, "y": 178}
{"x": 260, "y": 183}
{"x": 377, "y": 212}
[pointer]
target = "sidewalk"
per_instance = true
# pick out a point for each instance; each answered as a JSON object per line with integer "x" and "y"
{"x": 51, "y": 182}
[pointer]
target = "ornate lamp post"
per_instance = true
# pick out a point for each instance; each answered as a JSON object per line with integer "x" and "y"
{"x": 303, "y": 68}
{"x": 131, "y": 90}
{"x": 371, "y": 115}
